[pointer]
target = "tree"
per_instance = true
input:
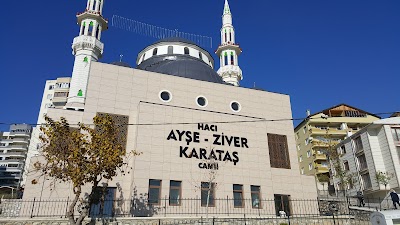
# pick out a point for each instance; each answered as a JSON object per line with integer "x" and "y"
{"x": 82, "y": 156}
{"x": 208, "y": 182}
{"x": 383, "y": 178}
{"x": 323, "y": 178}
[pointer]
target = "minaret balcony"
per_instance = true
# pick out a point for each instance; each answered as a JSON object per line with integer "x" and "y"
{"x": 229, "y": 46}
{"x": 91, "y": 14}
{"x": 85, "y": 42}
{"x": 229, "y": 70}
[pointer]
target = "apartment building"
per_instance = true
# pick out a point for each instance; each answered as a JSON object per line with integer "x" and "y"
{"x": 372, "y": 150}
{"x": 13, "y": 151}
{"x": 326, "y": 128}
{"x": 55, "y": 95}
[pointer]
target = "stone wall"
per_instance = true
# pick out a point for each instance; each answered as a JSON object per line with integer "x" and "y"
{"x": 195, "y": 221}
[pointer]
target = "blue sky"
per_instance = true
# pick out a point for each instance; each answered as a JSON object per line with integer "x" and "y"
{"x": 319, "y": 52}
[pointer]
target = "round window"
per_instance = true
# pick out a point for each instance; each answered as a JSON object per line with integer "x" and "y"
{"x": 235, "y": 106}
{"x": 165, "y": 96}
{"x": 202, "y": 101}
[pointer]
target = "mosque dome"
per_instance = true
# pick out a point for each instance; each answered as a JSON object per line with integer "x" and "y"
{"x": 120, "y": 63}
{"x": 178, "y": 57}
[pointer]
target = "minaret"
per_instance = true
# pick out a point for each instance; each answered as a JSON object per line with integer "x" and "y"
{"x": 228, "y": 51}
{"x": 86, "y": 48}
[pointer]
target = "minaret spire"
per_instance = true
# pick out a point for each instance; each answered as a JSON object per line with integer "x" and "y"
{"x": 227, "y": 10}
{"x": 228, "y": 51}
{"x": 86, "y": 48}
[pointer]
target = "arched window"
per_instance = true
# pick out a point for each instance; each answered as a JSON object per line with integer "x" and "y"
{"x": 226, "y": 36}
{"x": 200, "y": 55}
{"x": 170, "y": 50}
{"x": 226, "y": 59}
{"x": 83, "y": 28}
{"x": 155, "y": 51}
{"x": 186, "y": 50}
{"x": 232, "y": 59}
{"x": 90, "y": 28}
{"x": 144, "y": 55}
{"x": 98, "y": 32}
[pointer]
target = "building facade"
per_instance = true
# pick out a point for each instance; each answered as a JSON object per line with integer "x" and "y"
{"x": 372, "y": 150}
{"x": 13, "y": 152}
{"x": 323, "y": 129}
{"x": 55, "y": 95}
{"x": 189, "y": 123}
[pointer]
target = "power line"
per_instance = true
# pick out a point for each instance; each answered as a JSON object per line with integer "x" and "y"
{"x": 209, "y": 122}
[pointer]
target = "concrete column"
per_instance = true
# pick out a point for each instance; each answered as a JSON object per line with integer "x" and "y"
{"x": 101, "y": 6}
{"x": 91, "y": 4}
{"x": 99, "y": 35}
{"x": 87, "y": 27}
{"x": 97, "y": 6}
{"x": 80, "y": 30}
{"x": 94, "y": 31}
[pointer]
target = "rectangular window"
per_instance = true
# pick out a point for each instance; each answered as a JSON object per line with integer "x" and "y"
{"x": 358, "y": 144}
{"x": 297, "y": 135}
{"x": 207, "y": 194}
{"x": 302, "y": 170}
{"x": 346, "y": 166}
{"x": 298, "y": 147}
{"x": 278, "y": 151}
{"x": 51, "y": 87}
{"x": 255, "y": 197}
{"x": 301, "y": 158}
{"x": 282, "y": 204}
{"x": 362, "y": 162}
{"x": 175, "y": 190}
{"x": 308, "y": 154}
{"x": 342, "y": 149}
{"x": 238, "y": 196}
{"x": 396, "y": 134}
{"x": 366, "y": 181}
{"x": 60, "y": 94}
{"x": 305, "y": 129}
{"x": 154, "y": 192}
{"x": 310, "y": 166}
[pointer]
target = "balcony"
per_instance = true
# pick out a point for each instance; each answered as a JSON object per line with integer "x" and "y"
{"x": 319, "y": 157}
{"x": 11, "y": 161}
{"x": 13, "y": 154}
{"x": 83, "y": 42}
{"x": 20, "y": 140}
{"x": 320, "y": 170}
{"x": 18, "y": 147}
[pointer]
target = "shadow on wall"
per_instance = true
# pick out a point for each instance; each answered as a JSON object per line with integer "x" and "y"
{"x": 140, "y": 206}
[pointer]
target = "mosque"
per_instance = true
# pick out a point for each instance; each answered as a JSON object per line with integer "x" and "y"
{"x": 196, "y": 127}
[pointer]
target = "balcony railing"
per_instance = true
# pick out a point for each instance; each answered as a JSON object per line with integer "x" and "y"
{"x": 320, "y": 156}
{"x": 20, "y": 147}
{"x": 22, "y": 154}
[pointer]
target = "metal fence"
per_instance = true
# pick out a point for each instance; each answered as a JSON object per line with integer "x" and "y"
{"x": 182, "y": 208}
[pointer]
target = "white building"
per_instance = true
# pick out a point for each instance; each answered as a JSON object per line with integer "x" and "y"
{"x": 373, "y": 149}
{"x": 55, "y": 95}
{"x": 175, "y": 89}
{"x": 13, "y": 151}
